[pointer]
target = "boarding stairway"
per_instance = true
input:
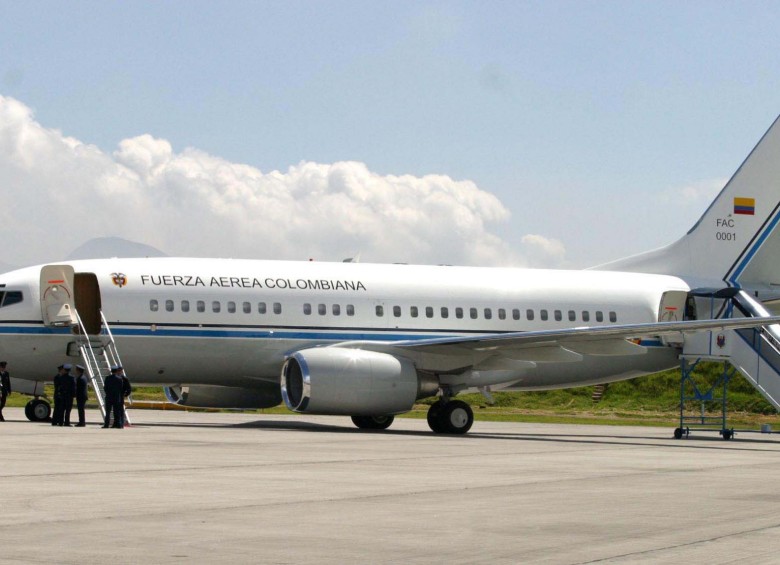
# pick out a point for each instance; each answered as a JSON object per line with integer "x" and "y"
{"x": 99, "y": 354}
{"x": 754, "y": 352}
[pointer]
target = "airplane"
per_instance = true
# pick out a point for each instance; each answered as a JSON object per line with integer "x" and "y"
{"x": 370, "y": 340}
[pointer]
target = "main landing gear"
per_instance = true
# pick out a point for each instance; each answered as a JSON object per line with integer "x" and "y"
{"x": 37, "y": 410}
{"x": 373, "y": 422}
{"x": 450, "y": 417}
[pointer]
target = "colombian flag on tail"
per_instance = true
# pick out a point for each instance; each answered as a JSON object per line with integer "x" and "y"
{"x": 746, "y": 206}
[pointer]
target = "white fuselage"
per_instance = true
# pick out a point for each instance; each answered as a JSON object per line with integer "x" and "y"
{"x": 233, "y": 322}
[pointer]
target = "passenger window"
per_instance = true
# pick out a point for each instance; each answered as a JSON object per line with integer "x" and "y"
{"x": 322, "y": 309}
{"x": 473, "y": 313}
{"x": 529, "y": 314}
{"x": 515, "y": 314}
{"x": 414, "y": 312}
{"x": 201, "y": 306}
{"x": 336, "y": 310}
{"x": 397, "y": 311}
{"x": 501, "y": 314}
{"x": 12, "y": 297}
{"x": 380, "y": 310}
{"x": 185, "y": 305}
{"x": 216, "y": 306}
{"x": 572, "y": 315}
{"x": 613, "y": 316}
{"x": 307, "y": 309}
{"x": 543, "y": 315}
{"x": 585, "y": 316}
{"x": 428, "y": 312}
{"x": 154, "y": 305}
{"x": 488, "y": 313}
{"x": 558, "y": 316}
{"x": 445, "y": 313}
{"x": 599, "y": 316}
{"x": 232, "y": 307}
{"x": 459, "y": 313}
{"x": 169, "y": 305}
{"x": 261, "y": 308}
{"x": 277, "y": 308}
{"x": 350, "y": 310}
{"x": 247, "y": 308}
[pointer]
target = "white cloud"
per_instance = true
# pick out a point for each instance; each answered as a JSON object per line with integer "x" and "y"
{"x": 59, "y": 192}
{"x": 543, "y": 252}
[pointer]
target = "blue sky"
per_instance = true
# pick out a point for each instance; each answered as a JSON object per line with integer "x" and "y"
{"x": 605, "y": 127}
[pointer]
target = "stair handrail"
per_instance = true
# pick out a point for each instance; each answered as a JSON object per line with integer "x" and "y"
{"x": 754, "y": 309}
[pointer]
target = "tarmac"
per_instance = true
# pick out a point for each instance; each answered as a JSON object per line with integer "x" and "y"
{"x": 184, "y": 487}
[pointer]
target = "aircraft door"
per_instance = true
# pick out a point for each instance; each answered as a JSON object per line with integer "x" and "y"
{"x": 87, "y": 301}
{"x": 57, "y": 302}
{"x": 672, "y": 307}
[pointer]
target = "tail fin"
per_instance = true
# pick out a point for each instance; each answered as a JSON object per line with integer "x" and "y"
{"x": 735, "y": 241}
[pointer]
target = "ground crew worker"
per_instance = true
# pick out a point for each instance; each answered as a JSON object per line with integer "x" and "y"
{"x": 114, "y": 398}
{"x": 68, "y": 393}
{"x": 5, "y": 387}
{"x": 82, "y": 394}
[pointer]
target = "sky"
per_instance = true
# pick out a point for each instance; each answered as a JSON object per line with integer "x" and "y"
{"x": 541, "y": 134}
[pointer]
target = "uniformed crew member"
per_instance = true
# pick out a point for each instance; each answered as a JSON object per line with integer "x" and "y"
{"x": 68, "y": 392}
{"x": 5, "y": 387}
{"x": 82, "y": 394}
{"x": 114, "y": 399}
{"x": 59, "y": 406}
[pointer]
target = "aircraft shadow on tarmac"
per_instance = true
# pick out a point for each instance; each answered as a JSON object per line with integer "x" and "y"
{"x": 709, "y": 441}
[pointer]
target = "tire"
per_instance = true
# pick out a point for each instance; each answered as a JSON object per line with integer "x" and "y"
{"x": 373, "y": 422}
{"x": 678, "y": 433}
{"x": 435, "y": 421}
{"x": 457, "y": 416}
{"x": 727, "y": 434}
{"x": 40, "y": 410}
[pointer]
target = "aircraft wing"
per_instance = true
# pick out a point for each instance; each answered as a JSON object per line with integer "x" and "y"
{"x": 570, "y": 344}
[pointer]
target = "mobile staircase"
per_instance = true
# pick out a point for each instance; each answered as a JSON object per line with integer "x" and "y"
{"x": 99, "y": 354}
{"x": 754, "y": 352}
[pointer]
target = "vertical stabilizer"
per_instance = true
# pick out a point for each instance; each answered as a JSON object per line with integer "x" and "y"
{"x": 735, "y": 241}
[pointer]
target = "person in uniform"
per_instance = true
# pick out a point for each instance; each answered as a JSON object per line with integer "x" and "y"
{"x": 68, "y": 393}
{"x": 114, "y": 399}
{"x": 82, "y": 394}
{"x": 5, "y": 387}
{"x": 59, "y": 406}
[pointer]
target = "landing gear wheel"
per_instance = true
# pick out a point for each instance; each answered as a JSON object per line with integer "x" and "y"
{"x": 37, "y": 410}
{"x": 457, "y": 416}
{"x": 373, "y": 422}
{"x": 678, "y": 433}
{"x": 435, "y": 421}
{"x": 727, "y": 434}
{"x": 452, "y": 417}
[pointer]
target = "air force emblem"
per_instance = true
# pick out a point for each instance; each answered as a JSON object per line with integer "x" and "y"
{"x": 120, "y": 279}
{"x": 721, "y": 340}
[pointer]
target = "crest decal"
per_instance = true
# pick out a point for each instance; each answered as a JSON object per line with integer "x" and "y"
{"x": 119, "y": 279}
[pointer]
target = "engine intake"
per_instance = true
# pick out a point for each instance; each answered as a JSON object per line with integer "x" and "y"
{"x": 332, "y": 380}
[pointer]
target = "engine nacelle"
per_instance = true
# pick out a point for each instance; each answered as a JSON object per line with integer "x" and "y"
{"x": 210, "y": 396}
{"x": 331, "y": 380}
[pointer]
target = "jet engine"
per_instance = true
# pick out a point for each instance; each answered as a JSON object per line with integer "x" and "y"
{"x": 332, "y": 380}
{"x": 209, "y": 396}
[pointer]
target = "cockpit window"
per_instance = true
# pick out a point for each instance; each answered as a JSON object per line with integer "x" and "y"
{"x": 9, "y": 297}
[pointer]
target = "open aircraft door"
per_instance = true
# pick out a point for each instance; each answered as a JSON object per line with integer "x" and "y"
{"x": 57, "y": 297}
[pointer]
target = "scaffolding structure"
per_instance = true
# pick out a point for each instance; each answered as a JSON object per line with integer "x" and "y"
{"x": 699, "y": 399}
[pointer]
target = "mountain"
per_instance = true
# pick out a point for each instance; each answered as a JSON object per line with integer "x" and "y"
{"x": 107, "y": 247}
